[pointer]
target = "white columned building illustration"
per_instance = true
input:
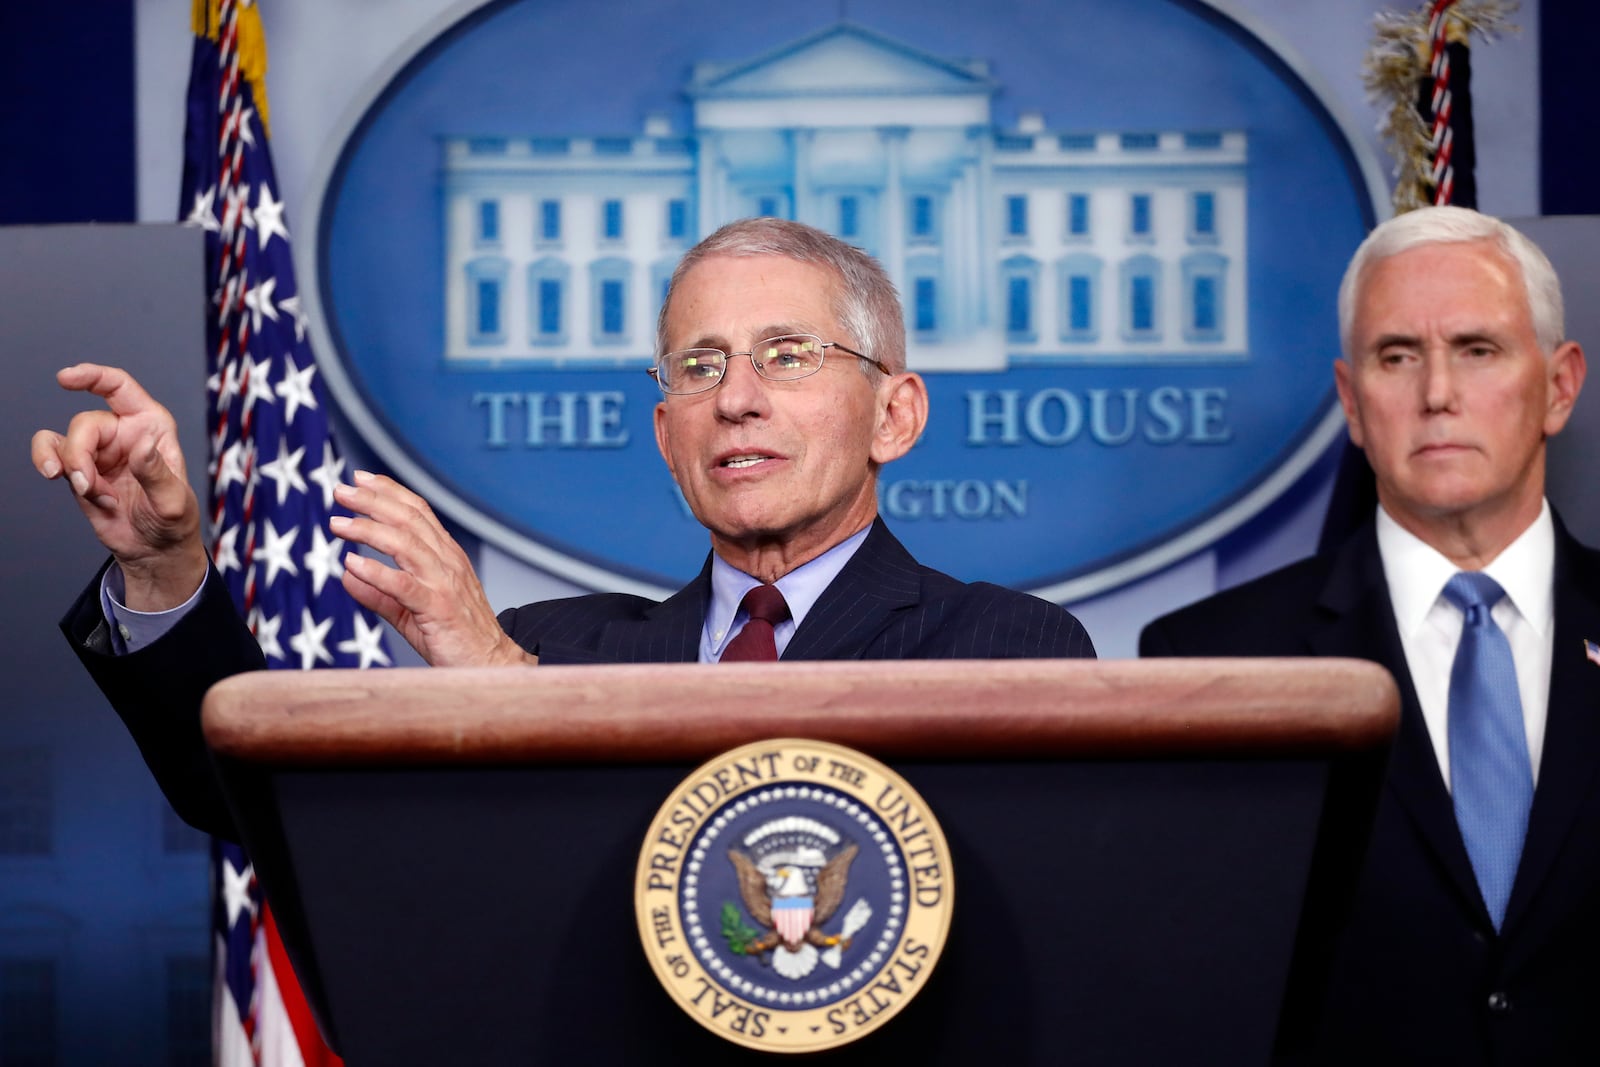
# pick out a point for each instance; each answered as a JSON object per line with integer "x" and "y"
{"x": 1024, "y": 245}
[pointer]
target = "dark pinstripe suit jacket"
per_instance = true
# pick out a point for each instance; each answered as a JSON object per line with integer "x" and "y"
{"x": 883, "y": 605}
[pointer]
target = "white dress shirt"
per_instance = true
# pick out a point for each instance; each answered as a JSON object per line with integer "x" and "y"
{"x": 1430, "y": 626}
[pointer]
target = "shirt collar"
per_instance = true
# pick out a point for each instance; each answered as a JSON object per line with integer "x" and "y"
{"x": 1416, "y": 572}
{"x": 801, "y": 587}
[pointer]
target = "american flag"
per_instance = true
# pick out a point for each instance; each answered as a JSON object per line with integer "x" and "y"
{"x": 273, "y": 468}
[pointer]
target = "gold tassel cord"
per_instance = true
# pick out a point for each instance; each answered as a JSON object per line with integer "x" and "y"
{"x": 205, "y": 18}
{"x": 1393, "y": 74}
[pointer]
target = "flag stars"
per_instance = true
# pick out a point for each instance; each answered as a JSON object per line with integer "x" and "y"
{"x": 269, "y": 217}
{"x": 204, "y": 214}
{"x": 230, "y": 468}
{"x": 284, "y": 470}
{"x": 329, "y": 475}
{"x": 226, "y": 384}
{"x": 236, "y": 891}
{"x": 247, "y": 132}
{"x": 275, "y": 551}
{"x": 296, "y": 391}
{"x": 367, "y": 644}
{"x": 257, "y": 383}
{"x": 266, "y": 628}
{"x": 258, "y": 300}
{"x": 312, "y": 640}
{"x": 323, "y": 560}
{"x": 225, "y": 553}
{"x": 291, "y": 305}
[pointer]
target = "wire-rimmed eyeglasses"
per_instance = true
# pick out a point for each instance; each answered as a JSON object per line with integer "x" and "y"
{"x": 777, "y": 359}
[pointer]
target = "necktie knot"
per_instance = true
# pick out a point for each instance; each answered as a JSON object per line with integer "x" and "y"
{"x": 757, "y": 641}
{"x": 1474, "y": 593}
{"x": 765, "y": 602}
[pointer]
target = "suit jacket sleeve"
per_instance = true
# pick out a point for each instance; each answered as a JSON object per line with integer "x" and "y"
{"x": 158, "y": 691}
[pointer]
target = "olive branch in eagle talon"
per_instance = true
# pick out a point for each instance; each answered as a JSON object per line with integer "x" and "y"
{"x": 734, "y": 931}
{"x": 760, "y": 891}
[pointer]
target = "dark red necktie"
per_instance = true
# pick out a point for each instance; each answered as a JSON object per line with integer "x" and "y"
{"x": 756, "y": 642}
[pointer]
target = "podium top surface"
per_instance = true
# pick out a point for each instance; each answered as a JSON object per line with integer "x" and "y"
{"x": 988, "y": 709}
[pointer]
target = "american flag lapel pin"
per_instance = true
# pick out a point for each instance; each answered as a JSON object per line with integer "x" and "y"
{"x": 1591, "y": 650}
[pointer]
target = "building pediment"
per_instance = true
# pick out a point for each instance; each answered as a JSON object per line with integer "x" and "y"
{"x": 841, "y": 60}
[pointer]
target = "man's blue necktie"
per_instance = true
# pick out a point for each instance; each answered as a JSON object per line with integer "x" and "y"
{"x": 1491, "y": 778}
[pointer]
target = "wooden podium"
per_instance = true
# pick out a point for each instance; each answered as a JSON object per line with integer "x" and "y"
{"x": 1150, "y": 857}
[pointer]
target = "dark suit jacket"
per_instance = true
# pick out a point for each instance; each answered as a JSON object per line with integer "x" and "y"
{"x": 1420, "y": 975}
{"x": 883, "y": 605}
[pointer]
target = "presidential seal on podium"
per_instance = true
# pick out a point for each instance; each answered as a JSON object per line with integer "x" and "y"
{"x": 793, "y": 895}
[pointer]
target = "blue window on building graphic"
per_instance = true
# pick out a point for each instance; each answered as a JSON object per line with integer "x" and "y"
{"x": 1139, "y": 215}
{"x": 610, "y": 283}
{"x": 488, "y": 220}
{"x": 849, "y": 216}
{"x": 485, "y": 279}
{"x": 1019, "y": 305}
{"x": 611, "y": 220}
{"x": 488, "y": 307}
{"x": 1204, "y": 280}
{"x": 548, "y": 286}
{"x": 549, "y": 220}
{"x": 1080, "y": 303}
{"x": 1203, "y": 216}
{"x": 1203, "y": 294}
{"x": 1202, "y": 139}
{"x": 549, "y": 306}
{"x": 1079, "y": 288}
{"x": 1141, "y": 298}
{"x": 1019, "y": 280}
{"x": 1077, "y": 142}
{"x": 1142, "y": 304}
{"x": 1016, "y": 216}
{"x": 1140, "y": 142}
{"x": 677, "y": 217}
{"x": 611, "y": 307}
{"x": 925, "y": 305}
{"x": 767, "y": 207}
{"x": 1077, "y": 214}
{"x": 922, "y": 216}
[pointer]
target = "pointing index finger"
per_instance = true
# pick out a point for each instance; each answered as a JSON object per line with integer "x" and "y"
{"x": 121, "y": 392}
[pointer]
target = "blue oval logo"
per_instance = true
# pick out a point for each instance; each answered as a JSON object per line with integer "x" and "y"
{"x": 1117, "y": 231}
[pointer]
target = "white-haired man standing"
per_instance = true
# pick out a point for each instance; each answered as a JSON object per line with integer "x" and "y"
{"x": 1475, "y": 932}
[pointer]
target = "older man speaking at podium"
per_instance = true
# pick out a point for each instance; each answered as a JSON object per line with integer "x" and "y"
{"x": 781, "y": 357}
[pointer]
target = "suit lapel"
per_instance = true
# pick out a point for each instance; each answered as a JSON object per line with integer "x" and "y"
{"x": 880, "y": 582}
{"x": 1359, "y": 622}
{"x": 1572, "y": 730}
{"x": 668, "y": 632}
